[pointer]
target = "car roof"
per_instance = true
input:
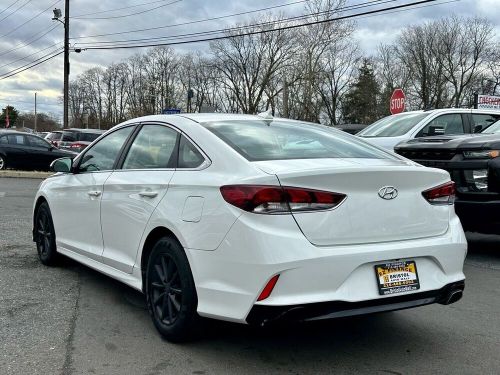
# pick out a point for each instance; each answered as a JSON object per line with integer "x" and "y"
{"x": 81, "y": 130}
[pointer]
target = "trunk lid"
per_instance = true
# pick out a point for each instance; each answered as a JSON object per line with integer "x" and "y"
{"x": 365, "y": 217}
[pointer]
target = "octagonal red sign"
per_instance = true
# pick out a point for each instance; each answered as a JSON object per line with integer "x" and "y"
{"x": 397, "y": 104}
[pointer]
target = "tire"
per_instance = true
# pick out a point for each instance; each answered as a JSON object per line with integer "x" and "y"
{"x": 170, "y": 291}
{"x": 3, "y": 162}
{"x": 45, "y": 236}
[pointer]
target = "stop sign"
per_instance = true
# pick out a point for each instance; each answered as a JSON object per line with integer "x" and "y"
{"x": 397, "y": 104}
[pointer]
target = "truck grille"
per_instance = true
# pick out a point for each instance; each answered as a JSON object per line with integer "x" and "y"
{"x": 427, "y": 155}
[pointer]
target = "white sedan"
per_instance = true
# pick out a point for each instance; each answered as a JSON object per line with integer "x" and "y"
{"x": 253, "y": 219}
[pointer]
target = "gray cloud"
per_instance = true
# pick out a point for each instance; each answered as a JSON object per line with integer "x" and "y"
{"x": 47, "y": 79}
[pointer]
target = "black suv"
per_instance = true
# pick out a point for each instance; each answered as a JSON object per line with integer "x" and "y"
{"x": 473, "y": 162}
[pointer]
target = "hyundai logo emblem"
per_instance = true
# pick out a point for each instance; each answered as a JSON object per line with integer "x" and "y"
{"x": 388, "y": 192}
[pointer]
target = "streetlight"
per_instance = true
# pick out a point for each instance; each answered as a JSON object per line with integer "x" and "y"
{"x": 57, "y": 16}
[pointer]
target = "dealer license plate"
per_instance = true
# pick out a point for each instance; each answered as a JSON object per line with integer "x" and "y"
{"x": 397, "y": 277}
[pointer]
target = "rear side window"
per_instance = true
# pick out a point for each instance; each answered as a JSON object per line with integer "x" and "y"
{"x": 445, "y": 124}
{"x": 102, "y": 155}
{"x": 3, "y": 140}
{"x": 483, "y": 121}
{"x": 189, "y": 156}
{"x": 15, "y": 139}
{"x": 154, "y": 147}
{"x": 279, "y": 140}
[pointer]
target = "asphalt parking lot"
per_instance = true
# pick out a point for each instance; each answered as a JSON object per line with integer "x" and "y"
{"x": 72, "y": 320}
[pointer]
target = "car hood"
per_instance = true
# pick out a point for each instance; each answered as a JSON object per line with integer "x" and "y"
{"x": 453, "y": 142}
{"x": 64, "y": 153}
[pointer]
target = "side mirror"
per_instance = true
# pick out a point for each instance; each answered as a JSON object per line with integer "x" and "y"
{"x": 61, "y": 165}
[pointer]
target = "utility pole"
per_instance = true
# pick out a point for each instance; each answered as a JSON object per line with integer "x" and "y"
{"x": 66, "y": 64}
{"x": 57, "y": 16}
{"x": 35, "y": 113}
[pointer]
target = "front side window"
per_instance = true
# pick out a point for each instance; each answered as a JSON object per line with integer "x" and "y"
{"x": 154, "y": 147}
{"x": 3, "y": 140}
{"x": 38, "y": 142}
{"x": 393, "y": 126}
{"x": 483, "y": 121}
{"x": 492, "y": 129}
{"x": 445, "y": 124}
{"x": 259, "y": 140}
{"x": 102, "y": 155}
{"x": 189, "y": 156}
{"x": 15, "y": 139}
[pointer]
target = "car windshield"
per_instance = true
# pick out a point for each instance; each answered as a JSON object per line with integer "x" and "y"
{"x": 493, "y": 128}
{"x": 279, "y": 140}
{"x": 393, "y": 126}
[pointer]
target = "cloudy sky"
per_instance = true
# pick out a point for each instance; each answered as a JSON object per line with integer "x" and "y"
{"x": 27, "y": 33}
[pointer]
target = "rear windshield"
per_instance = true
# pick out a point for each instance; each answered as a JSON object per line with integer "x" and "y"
{"x": 88, "y": 137}
{"x": 68, "y": 136}
{"x": 393, "y": 126}
{"x": 278, "y": 140}
{"x": 493, "y": 128}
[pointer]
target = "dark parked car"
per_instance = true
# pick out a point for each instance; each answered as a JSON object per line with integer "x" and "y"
{"x": 25, "y": 151}
{"x": 473, "y": 162}
{"x": 77, "y": 139}
{"x": 350, "y": 128}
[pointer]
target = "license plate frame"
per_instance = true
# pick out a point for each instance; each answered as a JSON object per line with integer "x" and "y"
{"x": 397, "y": 276}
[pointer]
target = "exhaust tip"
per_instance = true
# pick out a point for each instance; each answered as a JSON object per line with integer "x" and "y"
{"x": 454, "y": 296}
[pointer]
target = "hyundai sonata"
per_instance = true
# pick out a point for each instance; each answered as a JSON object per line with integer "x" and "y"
{"x": 253, "y": 219}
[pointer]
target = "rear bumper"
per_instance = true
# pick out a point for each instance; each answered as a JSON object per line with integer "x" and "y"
{"x": 230, "y": 279}
{"x": 477, "y": 216}
{"x": 262, "y": 315}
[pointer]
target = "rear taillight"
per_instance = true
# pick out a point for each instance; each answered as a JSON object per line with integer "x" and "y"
{"x": 76, "y": 145}
{"x": 264, "y": 199}
{"x": 442, "y": 194}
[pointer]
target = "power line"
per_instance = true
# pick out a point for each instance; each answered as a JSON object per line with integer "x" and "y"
{"x": 269, "y": 23}
{"x": 38, "y": 36}
{"x": 191, "y": 22}
{"x": 32, "y": 54}
{"x": 31, "y": 65}
{"x": 116, "y": 9}
{"x": 15, "y": 11}
{"x": 31, "y": 19}
{"x": 127, "y": 15}
{"x": 10, "y": 6}
{"x": 248, "y": 33}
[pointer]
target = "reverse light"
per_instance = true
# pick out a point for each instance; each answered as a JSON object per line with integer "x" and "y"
{"x": 483, "y": 154}
{"x": 266, "y": 292}
{"x": 441, "y": 195}
{"x": 264, "y": 199}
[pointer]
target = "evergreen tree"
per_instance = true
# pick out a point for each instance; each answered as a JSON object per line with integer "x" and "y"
{"x": 13, "y": 114}
{"x": 362, "y": 102}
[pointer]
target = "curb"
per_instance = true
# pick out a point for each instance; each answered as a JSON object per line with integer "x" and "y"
{"x": 25, "y": 174}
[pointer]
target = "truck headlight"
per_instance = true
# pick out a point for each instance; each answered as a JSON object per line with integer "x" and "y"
{"x": 483, "y": 154}
{"x": 477, "y": 179}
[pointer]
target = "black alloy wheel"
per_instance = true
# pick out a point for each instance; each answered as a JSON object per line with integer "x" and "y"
{"x": 171, "y": 292}
{"x": 3, "y": 162}
{"x": 45, "y": 236}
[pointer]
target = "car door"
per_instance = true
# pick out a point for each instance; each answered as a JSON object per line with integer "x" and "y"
{"x": 77, "y": 201}
{"x": 40, "y": 151}
{"x": 133, "y": 191}
{"x": 17, "y": 153}
{"x": 446, "y": 124}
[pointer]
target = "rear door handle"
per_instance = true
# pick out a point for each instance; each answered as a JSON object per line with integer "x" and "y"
{"x": 148, "y": 194}
{"x": 94, "y": 193}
